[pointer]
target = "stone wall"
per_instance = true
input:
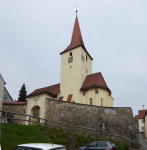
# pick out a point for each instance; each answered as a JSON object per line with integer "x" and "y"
{"x": 19, "y": 107}
{"x": 117, "y": 120}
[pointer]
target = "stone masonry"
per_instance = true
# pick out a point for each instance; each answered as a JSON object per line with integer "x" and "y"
{"x": 18, "y": 108}
{"x": 117, "y": 120}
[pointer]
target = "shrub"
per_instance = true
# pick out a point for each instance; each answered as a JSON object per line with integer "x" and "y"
{"x": 85, "y": 140}
{"x": 52, "y": 137}
{"x": 46, "y": 127}
{"x": 40, "y": 127}
{"x": 78, "y": 137}
{"x": 77, "y": 145}
{"x": 19, "y": 133}
{"x": 49, "y": 132}
{"x": 66, "y": 141}
{"x": 57, "y": 141}
{"x": 81, "y": 140}
{"x": 64, "y": 134}
{"x": 58, "y": 135}
{"x": 61, "y": 130}
{"x": 55, "y": 130}
{"x": 97, "y": 138}
{"x": 67, "y": 146}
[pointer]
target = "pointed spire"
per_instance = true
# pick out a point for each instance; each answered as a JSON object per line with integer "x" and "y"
{"x": 76, "y": 39}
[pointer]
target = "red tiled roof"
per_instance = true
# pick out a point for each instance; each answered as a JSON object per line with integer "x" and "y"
{"x": 52, "y": 90}
{"x": 108, "y": 93}
{"x": 76, "y": 39}
{"x": 69, "y": 98}
{"x": 136, "y": 116}
{"x": 141, "y": 113}
{"x": 95, "y": 80}
{"x": 15, "y": 103}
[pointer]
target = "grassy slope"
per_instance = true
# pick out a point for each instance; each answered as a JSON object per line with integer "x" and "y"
{"x": 13, "y": 135}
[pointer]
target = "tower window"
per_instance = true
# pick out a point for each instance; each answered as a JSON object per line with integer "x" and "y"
{"x": 87, "y": 71}
{"x": 86, "y": 57}
{"x": 90, "y": 101}
{"x": 83, "y": 58}
{"x": 70, "y": 53}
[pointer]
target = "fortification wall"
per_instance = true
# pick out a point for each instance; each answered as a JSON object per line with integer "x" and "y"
{"x": 18, "y": 108}
{"x": 117, "y": 120}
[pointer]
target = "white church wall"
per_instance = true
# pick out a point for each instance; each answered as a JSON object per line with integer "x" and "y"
{"x": 107, "y": 101}
{"x": 86, "y": 66}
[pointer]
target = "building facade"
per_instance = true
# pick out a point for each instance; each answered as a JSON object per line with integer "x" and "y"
{"x": 141, "y": 120}
{"x": 77, "y": 83}
{"x": 7, "y": 97}
{"x": 145, "y": 125}
{"x": 2, "y": 83}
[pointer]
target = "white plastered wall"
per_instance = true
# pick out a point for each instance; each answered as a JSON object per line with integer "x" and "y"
{"x": 141, "y": 125}
{"x": 40, "y": 102}
{"x": 1, "y": 91}
{"x": 107, "y": 100}
{"x": 145, "y": 126}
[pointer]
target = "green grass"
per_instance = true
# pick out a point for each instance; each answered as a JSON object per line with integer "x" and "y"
{"x": 13, "y": 135}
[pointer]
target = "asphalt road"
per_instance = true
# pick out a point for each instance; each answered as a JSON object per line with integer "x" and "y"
{"x": 143, "y": 141}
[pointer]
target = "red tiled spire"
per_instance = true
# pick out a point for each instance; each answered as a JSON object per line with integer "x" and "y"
{"x": 76, "y": 39}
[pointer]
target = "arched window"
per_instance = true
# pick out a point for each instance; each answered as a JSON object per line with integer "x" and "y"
{"x": 70, "y": 53}
{"x": 102, "y": 102}
{"x": 90, "y": 101}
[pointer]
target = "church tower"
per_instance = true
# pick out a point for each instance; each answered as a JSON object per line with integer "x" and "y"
{"x": 76, "y": 64}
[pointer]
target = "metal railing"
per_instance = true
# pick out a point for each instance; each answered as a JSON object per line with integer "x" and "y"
{"x": 66, "y": 126}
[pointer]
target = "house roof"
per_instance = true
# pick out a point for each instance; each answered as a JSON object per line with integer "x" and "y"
{"x": 76, "y": 39}
{"x": 2, "y": 78}
{"x": 141, "y": 113}
{"x": 95, "y": 80}
{"x": 52, "y": 90}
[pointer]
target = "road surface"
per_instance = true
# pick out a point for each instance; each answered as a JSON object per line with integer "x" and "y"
{"x": 143, "y": 141}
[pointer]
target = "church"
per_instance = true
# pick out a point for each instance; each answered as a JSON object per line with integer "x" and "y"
{"x": 77, "y": 82}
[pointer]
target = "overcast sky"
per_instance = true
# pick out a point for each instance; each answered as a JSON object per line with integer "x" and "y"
{"x": 34, "y": 32}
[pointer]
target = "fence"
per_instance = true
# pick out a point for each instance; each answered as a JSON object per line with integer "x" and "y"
{"x": 66, "y": 126}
